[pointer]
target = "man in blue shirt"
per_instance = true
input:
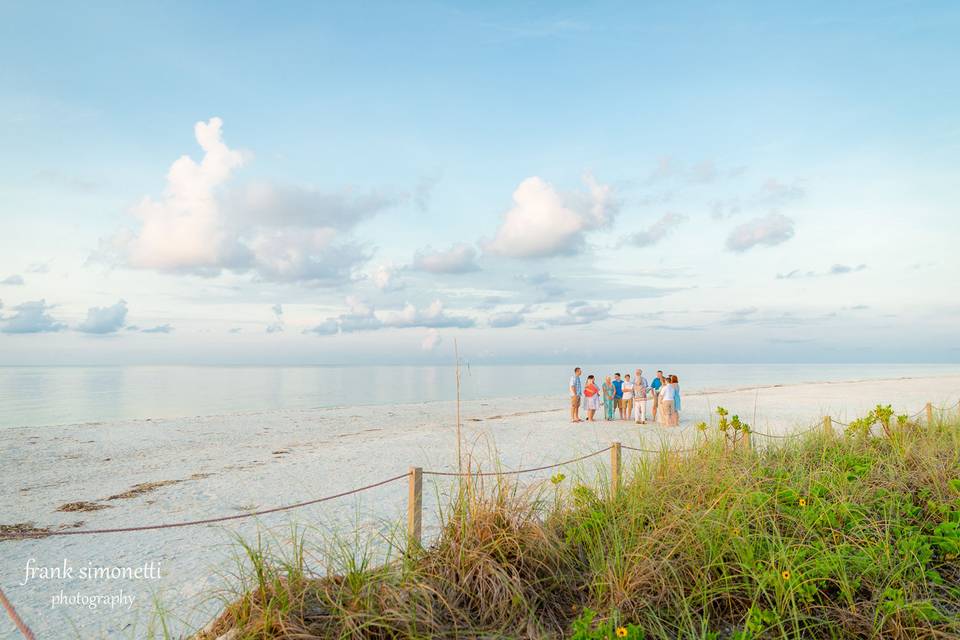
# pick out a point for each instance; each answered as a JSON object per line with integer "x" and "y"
{"x": 655, "y": 385}
{"x": 576, "y": 390}
{"x": 618, "y": 393}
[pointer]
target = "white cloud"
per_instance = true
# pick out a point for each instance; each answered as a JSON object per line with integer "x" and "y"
{"x": 460, "y": 258}
{"x": 30, "y": 317}
{"x": 14, "y": 280}
{"x": 103, "y": 320}
{"x": 279, "y": 233}
{"x": 360, "y": 317}
{"x": 658, "y": 230}
{"x": 433, "y": 316}
{"x": 363, "y": 317}
{"x": 543, "y": 222}
{"x": 769, "y": 230}
{"x": 385, "y": 278}
{"x": 290, "y": 206}
{"x": 581, "y": 312}
{"x": 185, "y": 229}
{"x": 431, "y": 341}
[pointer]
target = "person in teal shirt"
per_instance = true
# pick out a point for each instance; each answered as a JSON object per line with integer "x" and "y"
{"x": 609, "y": 398}
{"x": 655, "y": 385}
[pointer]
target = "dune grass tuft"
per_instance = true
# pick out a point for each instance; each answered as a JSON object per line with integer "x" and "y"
{"x": 853, "y": 536}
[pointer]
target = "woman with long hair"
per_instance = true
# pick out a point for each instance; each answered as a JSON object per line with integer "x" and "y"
{"x": 675, "y": 414}
{"x": 665, "y": 409}
{"x": 592, "y": 395}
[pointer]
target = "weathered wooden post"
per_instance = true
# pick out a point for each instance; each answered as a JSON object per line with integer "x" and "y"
{"x": 929, "y": 414}
{"x": 827, "y": 426}
{"x": 746, "y": 439}
{"x": 415, "y": 508}
{"x": 615, "y": 468}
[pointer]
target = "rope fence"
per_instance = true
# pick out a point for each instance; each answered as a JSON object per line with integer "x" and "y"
{"x": 17, "y": 621}
{"x": 415, "y": 497}
{"x": 482, "y": 474}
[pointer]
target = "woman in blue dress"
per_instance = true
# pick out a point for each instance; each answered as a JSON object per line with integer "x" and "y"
{"x": 609, "y": 397}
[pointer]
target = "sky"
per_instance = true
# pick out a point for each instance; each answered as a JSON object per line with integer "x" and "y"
{"x": 344, "y": 183}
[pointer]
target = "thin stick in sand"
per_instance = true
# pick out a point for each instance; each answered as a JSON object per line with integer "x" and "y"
{"x": 456, "y": 355}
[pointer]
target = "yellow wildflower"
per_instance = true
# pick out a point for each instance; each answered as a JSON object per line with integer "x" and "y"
{"x": 621, "y": 632}
{"x": 803, "y": 502}
{"x": 786, "y": 575}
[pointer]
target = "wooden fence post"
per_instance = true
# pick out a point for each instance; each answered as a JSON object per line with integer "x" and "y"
{"x": 415, "y": 508}
{"x": 827, "y": 426}
{"x": 746, "y": 440}
{"x": 615, "y": 468}
{"x": 929, "y": 414}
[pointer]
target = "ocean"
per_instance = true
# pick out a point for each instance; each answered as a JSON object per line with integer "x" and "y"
{"x": 42, "y": 396}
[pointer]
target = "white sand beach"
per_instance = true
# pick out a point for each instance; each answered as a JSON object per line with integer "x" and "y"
{"x": 210, "y": 466}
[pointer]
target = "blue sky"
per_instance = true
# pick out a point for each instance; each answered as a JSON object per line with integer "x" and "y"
{"x": 543, "y": 182}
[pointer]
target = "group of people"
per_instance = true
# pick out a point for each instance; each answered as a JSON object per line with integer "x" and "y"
{"x": 626, "y": 397}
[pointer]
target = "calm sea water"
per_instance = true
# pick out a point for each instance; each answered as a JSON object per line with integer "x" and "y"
{"x": 37, "y": 396}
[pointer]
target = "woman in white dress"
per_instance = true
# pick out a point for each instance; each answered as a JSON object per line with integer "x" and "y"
{"x": 665, "y": 409}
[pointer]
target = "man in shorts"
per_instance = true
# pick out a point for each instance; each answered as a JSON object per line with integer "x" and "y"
{"x": 626, "y": 404}
{"x": 655, "y": 385}
{"x": 576, "y": 392}
{"x": 618, "y": 393}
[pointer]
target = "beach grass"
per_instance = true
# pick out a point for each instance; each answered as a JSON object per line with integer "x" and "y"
{"x": 855, "y": 535}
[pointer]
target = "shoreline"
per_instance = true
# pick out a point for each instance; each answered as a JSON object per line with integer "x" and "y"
{"x": 558, "y": 398}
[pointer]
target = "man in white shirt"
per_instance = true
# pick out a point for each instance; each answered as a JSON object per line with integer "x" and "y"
{"x": 626, "y": 404}
{"x": 640, "y": 398}
{"x": 576, "y": 390}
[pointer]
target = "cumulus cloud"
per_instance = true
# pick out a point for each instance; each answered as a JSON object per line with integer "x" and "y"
{"x": 433, "y": 316}
{"x": 204, "y": 225}
{"x": 431, "y": 341}
{"x": 13, "y": 280}
{"x": 290, "y": 206}
{"x": 160, "y": 328}
{"x": 363, "y": 317}
{"x": 102, "y": 320}
{"x": 460, "y": 258}
{"x": 658, "y": 230}
{"x": 30, "y": 317}
{"x": 385, "y": 278}
{"x": 581, "y": 312}
{"x": 544, "y": 222}
{"x": 768, "y": 230}
{"x": 360, "y": 317}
